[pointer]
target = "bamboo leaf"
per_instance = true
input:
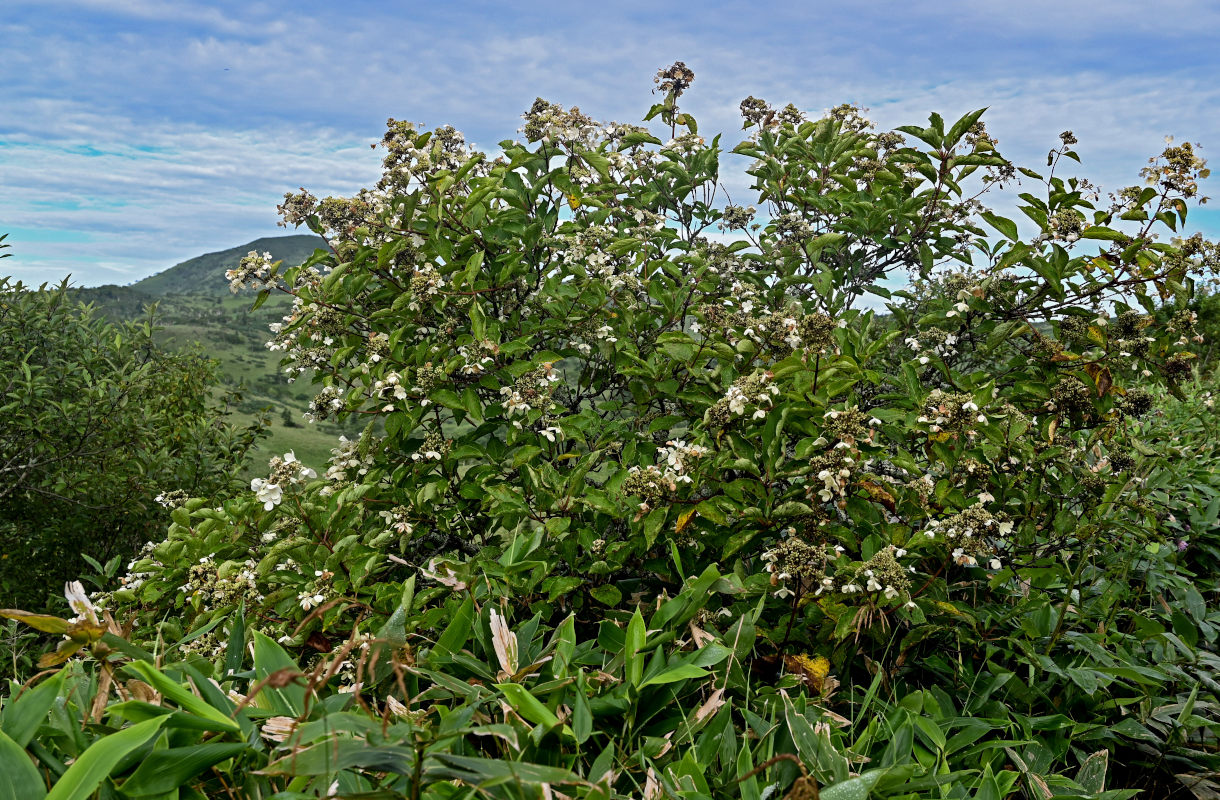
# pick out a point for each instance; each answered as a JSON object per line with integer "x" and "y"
{"x": 87, "y": 773}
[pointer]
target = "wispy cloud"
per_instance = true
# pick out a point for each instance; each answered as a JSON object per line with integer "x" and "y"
{"x": 138, "y": 132}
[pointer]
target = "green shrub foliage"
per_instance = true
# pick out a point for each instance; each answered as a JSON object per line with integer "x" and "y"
{"x": 95, "y": 423}
{"x": 667, "y": 495}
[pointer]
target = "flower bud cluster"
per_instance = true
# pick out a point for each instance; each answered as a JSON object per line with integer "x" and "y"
{"x": 532, "y": 390}
{"x": 972, "y": 534}
{"x": 317, "y": 591}
{"x": 552, "y": 124}
{"x": 752, "y": 390}
{"x": 881, "y": 574}
{"x": 252, "y": 272}
{"x": 352, "y": 459}
{"x": 477, "y": 357}
{"x": 946, "y": 412}
{"x": 435, "y": 447}
{"x": 212, "y": 585}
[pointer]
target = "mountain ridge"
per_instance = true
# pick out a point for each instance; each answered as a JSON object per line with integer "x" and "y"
{"x": 205, "y": 274}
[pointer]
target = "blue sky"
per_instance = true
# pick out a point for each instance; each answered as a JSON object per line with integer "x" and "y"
{"x": 138, "y": 133}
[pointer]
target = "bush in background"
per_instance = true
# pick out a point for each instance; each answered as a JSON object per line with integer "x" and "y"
{"x": 95, "y": 423}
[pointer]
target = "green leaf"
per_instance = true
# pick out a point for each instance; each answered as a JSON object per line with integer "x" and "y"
{"x": 23, "y": 715}
{"x": 681, "y": 672}
{"x": 527, "y": 705}
{"x": 1001, "y": 224}
{"x": 236, "y": 649}
{"x": 1103, "y": 233}
{"x": 19, "y": 780}
{"x": 270, "y": 658}
{"x": 853, "y": 788}
{"x": 93, "y": 766}
{"x": 457, "y": 632}
{"x": 179, "y": 695}
{"x": 39, "y": 622}
{"x": 1092, "y": 774}
{"x": 472, "y": 268}
{"x": 632, "y": 644}
{"x": 490, "y": 771}
{"x": 163, "y": 771}
{"x": 607, "y": 595}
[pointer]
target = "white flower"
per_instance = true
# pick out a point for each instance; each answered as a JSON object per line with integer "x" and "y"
{"x": 269, "y": 494}
{"x": 309, "y": 600}
{"x": 79, "y": 602}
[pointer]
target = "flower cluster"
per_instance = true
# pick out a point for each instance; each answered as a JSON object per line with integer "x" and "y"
{"x": 951, "y": 412}
{"x": 285, "y": 471}
{"x": 972, "y": 533}
{"x": 315, "y": 592}
{"x": 552, "y": 124}
{"x": 881, "y": 574}
{"x": 752, "y": 390}
{"x": 532, "y": 390}
{"x": 351, "y": 460}
{"x": 254, "y": 271}
{"x": 434, "y": 448}
{"x": 214, "y": 585}
{"x": 477, "y": 357}
{"x": 797, "y": 565}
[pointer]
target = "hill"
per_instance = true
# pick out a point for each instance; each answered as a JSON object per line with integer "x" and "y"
{"x": 205, "y": 274}
{"x": 194, "y": 308}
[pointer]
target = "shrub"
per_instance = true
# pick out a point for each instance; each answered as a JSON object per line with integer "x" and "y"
{"x": 95, "y": 423}
{"x": 661, "y": 512}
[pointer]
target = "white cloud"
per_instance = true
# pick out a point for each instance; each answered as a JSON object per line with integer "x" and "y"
{"x": 204, "y": 114}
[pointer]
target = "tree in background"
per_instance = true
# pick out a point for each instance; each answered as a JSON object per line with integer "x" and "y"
{"x": 96, "y": 423}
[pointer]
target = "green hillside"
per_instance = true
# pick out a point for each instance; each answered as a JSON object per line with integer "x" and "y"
{"x": 205, "y": 274}
{"x": 195, "y": 308}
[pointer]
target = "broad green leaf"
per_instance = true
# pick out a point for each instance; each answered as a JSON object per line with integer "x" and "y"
{"x": 1001, "y": 224}
{"x": 164, "y": 771}
{"x": 681, "y": 672}
{"x": 23, "y": 716}
{"x": 19, "y": 780}
{"x": 179, "y": 695}
{"x": 527, "y": 705}
{"x": 458, "y": 631}
{"x": 270, "y": 658}
{"x": 93, "y": 766}
{"x": 39, "y": 622}
{"x": 634, "y": 641}
{"x": 852, "y": 788}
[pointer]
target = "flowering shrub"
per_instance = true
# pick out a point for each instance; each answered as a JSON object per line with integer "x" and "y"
{"x": 590, "y": 385}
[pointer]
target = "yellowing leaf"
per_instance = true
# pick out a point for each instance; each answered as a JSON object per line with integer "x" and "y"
{"x": 66, "y": 650}
{"x": 39, "y": 622}
{"x": 684, "y": 519}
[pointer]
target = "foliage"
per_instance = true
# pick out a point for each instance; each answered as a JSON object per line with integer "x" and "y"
{"x": 96, "y": 422}
{"x": 656, "y": 515}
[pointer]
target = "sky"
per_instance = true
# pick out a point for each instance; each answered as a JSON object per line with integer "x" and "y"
{"x": 136, "y": 134}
